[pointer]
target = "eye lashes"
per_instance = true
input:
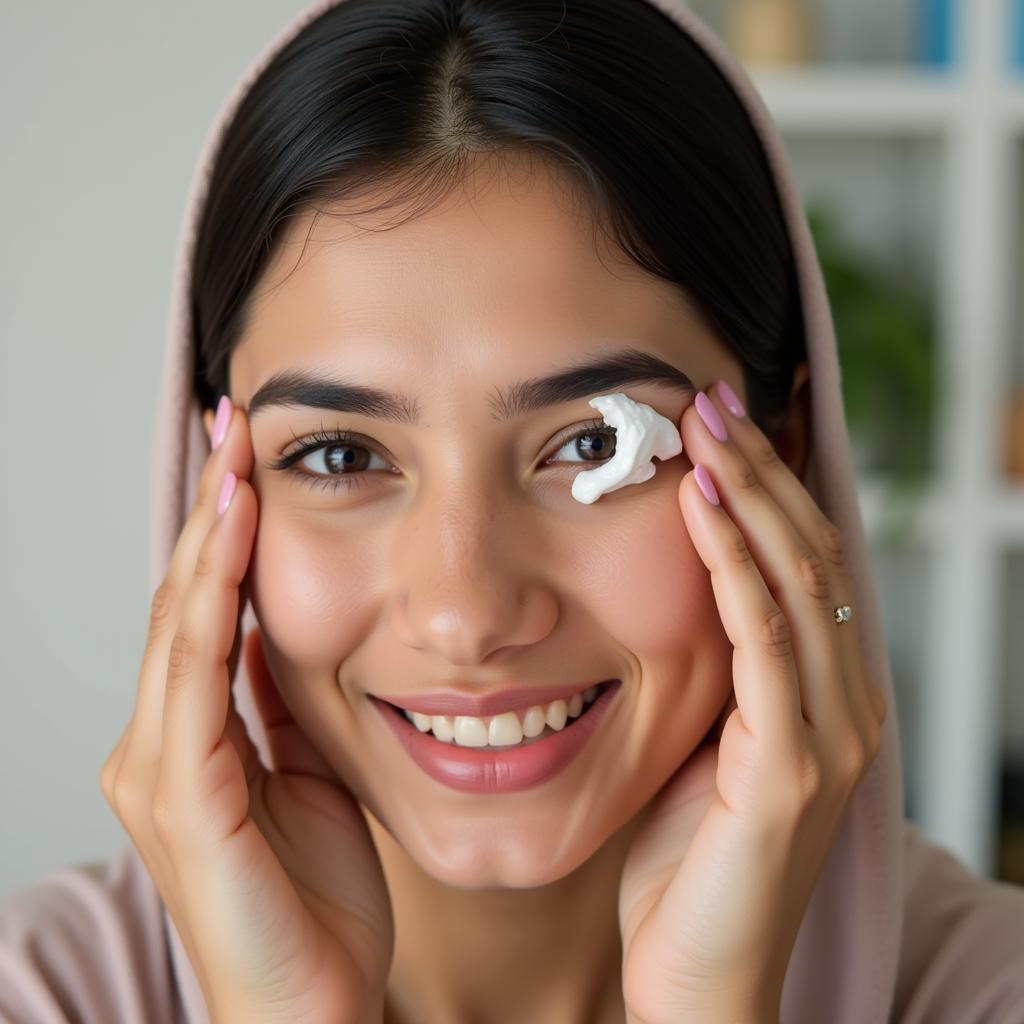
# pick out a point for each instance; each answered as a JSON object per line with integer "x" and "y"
{"x": 317, "y": 439}
{"x": 321, "y": 438}
{"x": 311, "y": 443}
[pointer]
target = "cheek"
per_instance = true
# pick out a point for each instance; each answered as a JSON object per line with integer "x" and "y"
{"x": 651, "y": 586}
{"x": 655, "y": 597}
{"x": 305, "y": 586}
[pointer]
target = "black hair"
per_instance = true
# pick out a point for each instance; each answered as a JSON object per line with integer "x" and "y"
{"x": 611, "y": 92}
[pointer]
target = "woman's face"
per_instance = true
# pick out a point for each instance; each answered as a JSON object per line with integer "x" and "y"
{"x": 459, "y": 559}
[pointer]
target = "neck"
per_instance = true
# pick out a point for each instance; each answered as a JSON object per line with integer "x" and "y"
{"x": 550, "y": 955}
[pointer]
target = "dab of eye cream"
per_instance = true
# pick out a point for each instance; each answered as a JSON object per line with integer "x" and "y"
{"x": 641, "y": 433}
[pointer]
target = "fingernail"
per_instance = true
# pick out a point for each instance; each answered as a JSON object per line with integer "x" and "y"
{"x": 709, "y": 414}
{"x": 729, "y": 397}
{"x": 227, "y": 488}
{"x": 221, "y": 421}
{"x": 705, "y": 484}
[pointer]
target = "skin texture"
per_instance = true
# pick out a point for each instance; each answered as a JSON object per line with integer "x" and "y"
{"x": 473, "y": 564}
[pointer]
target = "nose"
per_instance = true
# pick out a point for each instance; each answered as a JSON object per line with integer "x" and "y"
{"x": 466, "y": 588}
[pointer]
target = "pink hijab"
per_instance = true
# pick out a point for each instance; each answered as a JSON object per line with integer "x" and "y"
{"x": 896, "y": 928}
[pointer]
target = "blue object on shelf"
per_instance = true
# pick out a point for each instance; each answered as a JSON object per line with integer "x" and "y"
{"x": 934, "y": 25}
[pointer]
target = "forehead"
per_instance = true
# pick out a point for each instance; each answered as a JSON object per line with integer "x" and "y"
{"x": 508, "y": 270}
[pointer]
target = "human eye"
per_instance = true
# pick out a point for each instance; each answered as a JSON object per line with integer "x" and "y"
{"x": 597, "y": 448}
{"x": 338, "y": 452}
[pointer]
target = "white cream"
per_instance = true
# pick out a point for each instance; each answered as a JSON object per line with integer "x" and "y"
{"x": 641, "y": 433}
{"x": 504, "y": 729}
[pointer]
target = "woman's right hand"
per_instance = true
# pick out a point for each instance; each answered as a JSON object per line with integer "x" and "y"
{"x": 271, "y": 875}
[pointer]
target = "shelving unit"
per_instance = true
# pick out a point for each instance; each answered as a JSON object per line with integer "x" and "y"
{"x": 954, "y": 688}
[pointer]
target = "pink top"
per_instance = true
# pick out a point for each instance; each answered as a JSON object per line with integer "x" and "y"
{"x": 896, "y": 930}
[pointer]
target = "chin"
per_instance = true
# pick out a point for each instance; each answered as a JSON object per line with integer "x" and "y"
{"x": 526, "y": 848}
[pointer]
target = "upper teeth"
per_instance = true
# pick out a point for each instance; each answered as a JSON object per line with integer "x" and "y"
{"x": 503, "y": 729}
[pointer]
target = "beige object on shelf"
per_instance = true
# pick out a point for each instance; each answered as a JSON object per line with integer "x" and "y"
{"x": 769, "y": 32}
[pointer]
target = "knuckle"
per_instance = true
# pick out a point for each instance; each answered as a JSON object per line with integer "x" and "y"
{"x": 810, "y": 779}
{"x": 854, "y": 758}
{"x": 164, "y": 816}
{"x": 180, "y": 659}
{"x": 775, "y": 635}
{"x": 122, "y": 795}
{"x": 814, "y": 574}
{"x": 764, "y": 453}
{"x": 744, "y": 478}
{"x": 738, "y": 550}
{"x": 107, "y": 772}
{"x": 161, "y": 605}
{"x": 205, "y": 560}
{"x": 831, "y": 540}
{"x": 204, "y": 489}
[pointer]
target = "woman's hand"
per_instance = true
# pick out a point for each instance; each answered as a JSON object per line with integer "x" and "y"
{"x": 271, "y": 876}
{"x": 717, "y": 881}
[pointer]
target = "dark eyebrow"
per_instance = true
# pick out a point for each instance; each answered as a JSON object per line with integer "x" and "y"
{"x": 599, "y": 374}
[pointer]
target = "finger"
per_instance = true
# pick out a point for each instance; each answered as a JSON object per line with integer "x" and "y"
{"x": 764, "y": 477}
{"x": 234, "y": 454}
{"x": 290, "y": 748}
{"x": 764, "y": 671}
{"x": 112, "y": 765}
{"x": 793, "y": 572}
{"x": 715, "y": 733}
{"x": 198, "y": 709}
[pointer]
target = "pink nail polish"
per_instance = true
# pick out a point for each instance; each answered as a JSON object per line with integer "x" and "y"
{"x": 227, "y": 488}
{"x": 705, "y": 484}
{"x": 731, "y": 400}
{"x": 221, "y": 421}
{"x": 710, "y": 415}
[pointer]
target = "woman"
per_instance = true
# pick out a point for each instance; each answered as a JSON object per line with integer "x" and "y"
{"x": 422, "y": 237}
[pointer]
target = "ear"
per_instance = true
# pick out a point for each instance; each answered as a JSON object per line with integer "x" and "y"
{"x": 793, "y": 439}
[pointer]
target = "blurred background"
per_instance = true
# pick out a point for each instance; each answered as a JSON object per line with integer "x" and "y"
{"x": 905, "y": 123}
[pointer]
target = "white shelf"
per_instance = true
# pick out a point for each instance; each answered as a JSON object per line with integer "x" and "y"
{"x": 1006, "y": 517}
{"x": 998, "y": 519}
{"x": 1013, "y": 105}
{"x": 878, "y": 100}
{"x": 854, "y": 98}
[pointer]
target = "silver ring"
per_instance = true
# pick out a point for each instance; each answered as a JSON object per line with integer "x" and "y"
{"x": 842, "y": 613}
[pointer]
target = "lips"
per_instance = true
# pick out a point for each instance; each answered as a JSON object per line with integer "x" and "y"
{"x": 493, "y": 771}
{"x": 450, "y": 702}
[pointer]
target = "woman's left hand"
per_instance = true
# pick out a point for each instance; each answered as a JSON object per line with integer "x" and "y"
{"x": 718, "y": 879}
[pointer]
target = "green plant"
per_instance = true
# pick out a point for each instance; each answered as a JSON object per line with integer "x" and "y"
{"x": 884, "y": 334}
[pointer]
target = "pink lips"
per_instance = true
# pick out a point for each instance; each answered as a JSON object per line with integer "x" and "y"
{"x": 482, "y": 771}
{"x": 487, "y": 705}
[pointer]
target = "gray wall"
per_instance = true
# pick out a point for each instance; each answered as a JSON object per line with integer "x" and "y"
{"x": 105, "y": 106}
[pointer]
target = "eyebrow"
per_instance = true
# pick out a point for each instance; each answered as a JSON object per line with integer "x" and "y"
{"x": 590, "y": 376}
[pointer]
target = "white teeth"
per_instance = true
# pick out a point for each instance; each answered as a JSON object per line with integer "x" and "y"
{"x": 558, "y": 712}
{"x": 505, "y": 729}
{"x": 534, "y": 722}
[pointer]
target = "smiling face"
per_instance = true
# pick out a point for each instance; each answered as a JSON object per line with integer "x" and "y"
{"x": 460, "y": 560}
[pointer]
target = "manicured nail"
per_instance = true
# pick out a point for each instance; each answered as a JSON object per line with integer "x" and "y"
{"x": 710, "y": 415}
{"x": 221, "y": 421}
{"x": 731, "y": 400}
{"x": 705, "y": 484}
{"x": 227, "y": 488}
